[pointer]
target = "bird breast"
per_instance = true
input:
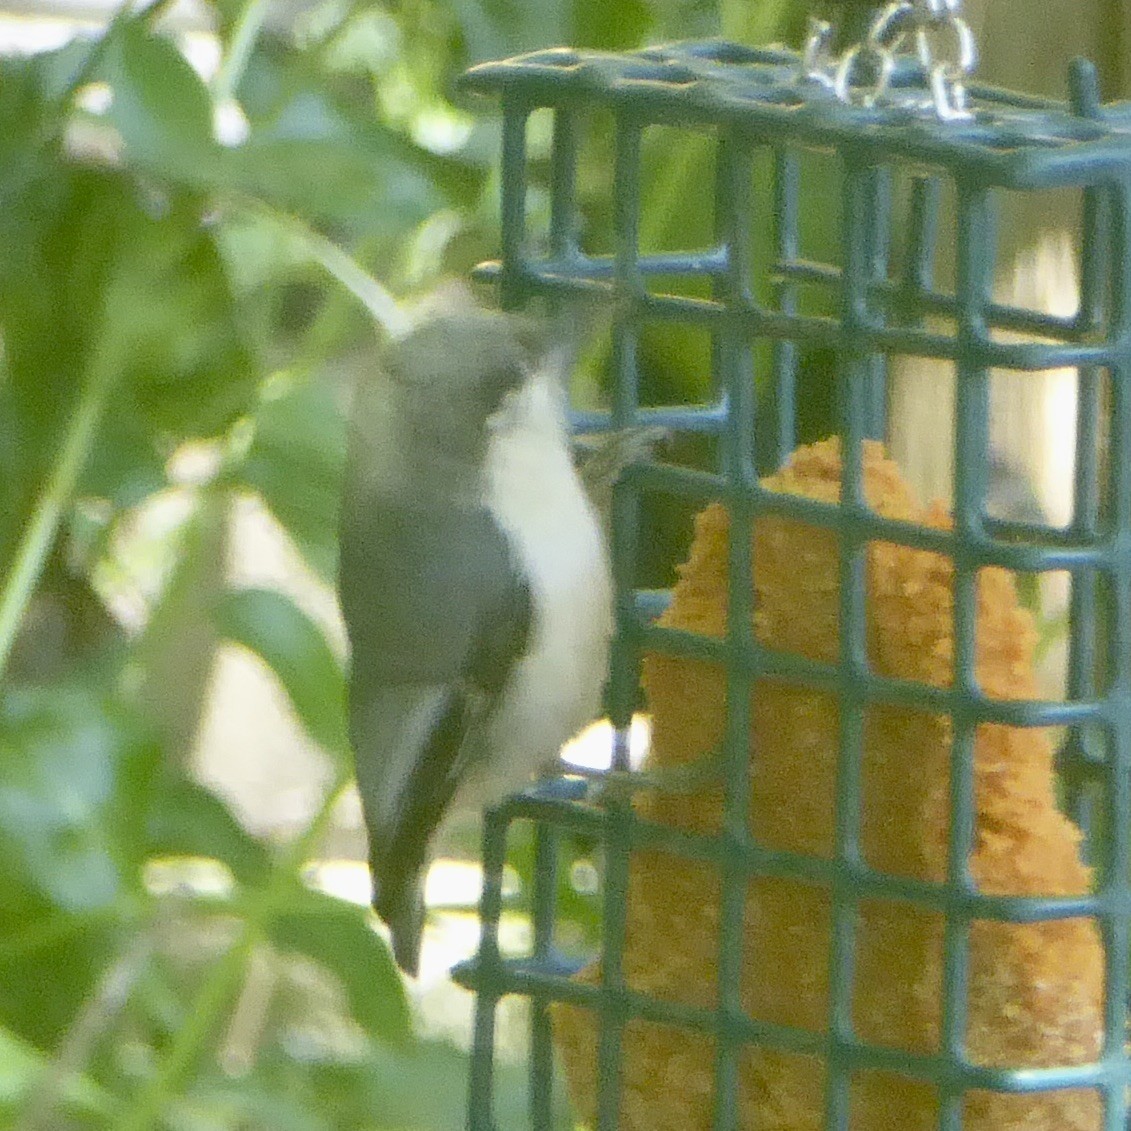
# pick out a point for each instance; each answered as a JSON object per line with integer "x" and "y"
{"x": 536, "y": 497}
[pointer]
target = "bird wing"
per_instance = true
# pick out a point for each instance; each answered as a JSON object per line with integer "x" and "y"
{"x": 437, "y": 615}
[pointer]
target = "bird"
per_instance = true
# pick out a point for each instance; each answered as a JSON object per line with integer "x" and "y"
{"x": 474, "y": 582}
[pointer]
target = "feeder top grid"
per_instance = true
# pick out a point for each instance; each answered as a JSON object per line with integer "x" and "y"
{"x": 1011, "y": 140}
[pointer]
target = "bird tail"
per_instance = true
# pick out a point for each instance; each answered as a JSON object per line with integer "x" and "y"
{"x": 407, "y": 743}
{"x": 399, "y": 901}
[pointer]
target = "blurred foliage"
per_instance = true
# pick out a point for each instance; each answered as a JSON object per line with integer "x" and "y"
{"x": 190, "y": 274}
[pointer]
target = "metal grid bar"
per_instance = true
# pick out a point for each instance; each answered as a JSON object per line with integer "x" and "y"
{"x": 915, "y": 296}
{"x": 1076, "y": 764}
{"x": 1116, "y": 881}
{"x": 879, "y": 317}
{"x": 734, "y": 221}
{"x": 1094, "y": 267}
{"x": 1033, "y": 357}
{"x": 1031, "y": 143}
{"x": 779, "y": 864}
{"x": 512, "y": 209}
{"x": 623, "y": 678}
{"x": 784, "y": 355}
{"x": 971, "y": 441}
{"x": 857, "y": 1057}
{"x": 885, "y": 690}
{"x": 544, "y": 916}
{"x": 490, "y": 978}
{"x": 581, "y": 274}
{"x": 564, "y": 218}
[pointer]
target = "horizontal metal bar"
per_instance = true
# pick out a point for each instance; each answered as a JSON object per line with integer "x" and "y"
{"x": 998, "y": 315}
{"x": 855, "y": 881}
{"x": 1063, "y": 553}
{"x": 1010, "y": 142}
{"x": 522, "y": 977}
{"x": 709, "y": 419}
{"x": 825, "y": 332}
{"x": 712, "y": 262}
{"x": 764, "y": 663}
{"x": 705, "y": 264}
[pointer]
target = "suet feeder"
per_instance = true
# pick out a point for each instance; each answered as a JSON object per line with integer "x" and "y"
{"x": 906, "y": 902}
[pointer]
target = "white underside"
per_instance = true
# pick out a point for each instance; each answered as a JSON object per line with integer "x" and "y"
{"x": 536, "y": 497}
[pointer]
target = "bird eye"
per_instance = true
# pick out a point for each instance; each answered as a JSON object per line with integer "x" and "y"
{"x": 501, "y": 379}
{"x": 532, "y": 335}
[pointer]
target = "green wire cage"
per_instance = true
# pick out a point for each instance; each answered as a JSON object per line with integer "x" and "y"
{"x": 897, "y": 153}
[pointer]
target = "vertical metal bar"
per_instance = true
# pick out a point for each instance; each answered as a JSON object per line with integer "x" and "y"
{"x": 856, "y": 369}
{"x": 511, "y": 294}
{"x": 480, "y": 1108}
{"x": 787, "y": 190}
{"x": 1095, "y": 260}
{"x": 563, "y": 183}
{"x": 734, "y": 222}
{"x": 1117, "y": 885}
{"x": 543, "y": 915}
{"x": 950, "y": 1111}
{"x": 878, "y": 245}
{"x": 856, "y": 375}
{"x": 628, "y": 277}
{"x": 625, "y": 405}
{"x": 1076, "y": 760}
{"x": 622, "y": 678}
{"x": 975, "y": 257}
{"x": 918, "y": 275}
{"x": 512, "y": 234}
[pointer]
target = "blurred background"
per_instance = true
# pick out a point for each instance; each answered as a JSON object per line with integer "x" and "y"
{"x": 210, "y": 214}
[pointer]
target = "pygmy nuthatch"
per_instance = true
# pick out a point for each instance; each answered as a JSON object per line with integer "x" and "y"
{"x": 474, "y": 585}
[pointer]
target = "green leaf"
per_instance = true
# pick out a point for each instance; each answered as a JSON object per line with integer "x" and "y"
{"x": 160, "y": 106}
{"x": 317, "y": 151}
{"x": 89, "y": 278}
{"x": 62, "y": 751}
{"x": 21, "y": 1069}
{"x": 177, "y": 651}
{"x": 251, "y": 1105}
{"x": 273, "y": 627}
{"x": 35, "y": 938}
{"x": 350, "y": 179}
{"x": 74, "y": 776}
{"x": 426, "y": 1090}
{"x": 336, "y": 935}
{"x": 172, "y": 324}
{"x": 296, "y": 463}
{"x": 186, "y": 819}
{"x": 58, "y": 232}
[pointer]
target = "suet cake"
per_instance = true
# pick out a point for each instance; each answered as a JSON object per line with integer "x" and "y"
{"x": 1035, "y": 989}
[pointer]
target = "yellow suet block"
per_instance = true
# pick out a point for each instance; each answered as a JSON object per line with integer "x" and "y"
{"x": 1035, "y": 990}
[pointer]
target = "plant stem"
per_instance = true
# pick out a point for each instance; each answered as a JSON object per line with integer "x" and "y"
{"x": 340, "y": 265}
{"x": 95, "y": 1016}
{"x": 18, "y": 586}
{"x": 215, "y": 996}
{"x": 246, "y": 32}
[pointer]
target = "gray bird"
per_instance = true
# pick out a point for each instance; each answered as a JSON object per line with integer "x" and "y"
{"x": 474, "y": 583}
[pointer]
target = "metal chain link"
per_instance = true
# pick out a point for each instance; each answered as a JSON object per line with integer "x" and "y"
{"x": 933, "y": 31}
